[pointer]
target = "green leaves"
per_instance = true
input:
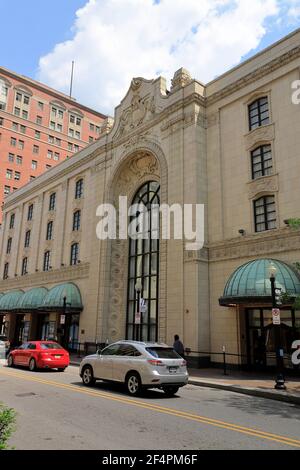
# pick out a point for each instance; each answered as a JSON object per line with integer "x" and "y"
{"x": 7, "y": 425}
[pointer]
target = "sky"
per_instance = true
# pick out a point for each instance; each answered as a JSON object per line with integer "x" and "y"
{"x": 112, "y": 41}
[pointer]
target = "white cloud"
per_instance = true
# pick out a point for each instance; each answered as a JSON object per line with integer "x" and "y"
{"x": 115, "y": 40}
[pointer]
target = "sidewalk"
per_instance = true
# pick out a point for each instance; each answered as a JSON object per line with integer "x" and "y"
{"x": 255, "y": 384}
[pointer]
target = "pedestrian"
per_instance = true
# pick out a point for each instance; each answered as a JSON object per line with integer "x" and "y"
{"x": 178, "y": 346}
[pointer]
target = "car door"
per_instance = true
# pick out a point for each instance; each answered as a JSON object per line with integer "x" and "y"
{"x": 19, "y": 354}
{"x": 103, "y": 366}
{"x": 29, "y": 352}
{"x": 127, "y": 359}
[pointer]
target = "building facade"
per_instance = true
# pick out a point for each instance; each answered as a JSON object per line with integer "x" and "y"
{"x": 232, "y": 145}
{"x": 39, "y": 127}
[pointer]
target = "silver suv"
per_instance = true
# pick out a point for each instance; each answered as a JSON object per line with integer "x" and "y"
{"x": 138, "y": 365}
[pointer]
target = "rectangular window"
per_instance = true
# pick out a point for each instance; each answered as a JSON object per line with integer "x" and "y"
{"x": 49, "y": 154}
{"x": 40, "y": 105}
{"x": 98, "y": 129}
{"x": 76, "y": 220}
{"x": 52, "y": 200}
{"x": 79, "y": 189}
{"x": 36, "y": 149}
{"x": 37, "y": 134}
{"x": 59, "y": 128}
{"x": 15, "y": 126}
{"x": 39, "y": 120}
{"x": 1, "y": 121}
{"x": 78, "y": 121}
{"x": 71, "y": 132}
{"x": 30, "y": 212}
{"x": 72, "y": 118}
{"x": 60, "y": 114}
{"x": 13, "y": 141}
{"x": 19, "y": 160}
{"x": 77, "y": 135}
{"x": 48, "y": 167}
{"x": 56, "y": 156}
{"x": 24, "y": 114}
{"x": 51, "y": 139}
{"x": 5, "y": 272}
{"x": 21, "y": 144}
{"x": 11, "y": 157}
{"x": 52, "y": 125}
{"x": 91, "y": 139}
{"x": 6, "y": 190}
{"x": 19, "y": 97}
{"x": 9, "y": 174}
{"x": 12, "y": 221}
{"x": 53, "y": 112}
{"x": 32, "y": 178}
{"x": 24, "y": 266}
{"x": 46, "y": 265}
{"x": 261, "y": 160}
{"x": 76, "y": 148}
{"x": 49, "y": 230}
{"x": 74, "y": 254}
{"x": 26, "y": 99}
{"x": 70, "y": 146}
{"x": 8, "y": 246}
{"x": 17, "y": 175}
{"x": 58, "y": 141}
{"x": 23, "y": 129}
{"x": 92, "y": 127}
{"x": 17, "y": 111}
{"x": 34, "y": 164}
{"x": 265, "y": 213}
{"x": 258, "y": 113}
{"x": 27, "y": 239}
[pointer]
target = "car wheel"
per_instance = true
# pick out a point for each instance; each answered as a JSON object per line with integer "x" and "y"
{"x": 61, "y": 369}
{"x": 170, "y": 391}
{"x": 88, "y": 376}
{"x": 133, "y": 384}
{"x": 10, "y": 361}
{"x": 32, "y": 365}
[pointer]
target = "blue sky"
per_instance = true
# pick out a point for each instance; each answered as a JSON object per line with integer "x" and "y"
{"x": 113, "y": 40}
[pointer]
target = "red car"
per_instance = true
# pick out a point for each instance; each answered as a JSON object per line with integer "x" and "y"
{"x": 39, "y": 355}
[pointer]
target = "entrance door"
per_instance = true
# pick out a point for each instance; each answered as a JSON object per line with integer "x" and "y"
{"x": 43, "y": 327}
{"x": 19, "y": 330}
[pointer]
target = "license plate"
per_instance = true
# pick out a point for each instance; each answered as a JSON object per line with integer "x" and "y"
{"x": 57, "y": 356}
{"x": 173, "y": 370}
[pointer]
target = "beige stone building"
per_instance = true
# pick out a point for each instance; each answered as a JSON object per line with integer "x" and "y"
{"x": 232, "y": 145}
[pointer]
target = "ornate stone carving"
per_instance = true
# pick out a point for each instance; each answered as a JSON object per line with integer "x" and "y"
{"x": 139, "y": 166}
{"x": 136, "y": 140}
{"x": 263, "y": 185}
{"x": 141, "y": 109}
{"x": 264, "y": 133}
{"x": 181, "y": 78}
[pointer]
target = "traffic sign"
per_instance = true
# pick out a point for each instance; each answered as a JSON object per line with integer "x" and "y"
{"x": 276, "y": 316}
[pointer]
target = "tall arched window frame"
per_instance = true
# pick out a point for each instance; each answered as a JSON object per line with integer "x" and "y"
{"x": 143, "y": 267}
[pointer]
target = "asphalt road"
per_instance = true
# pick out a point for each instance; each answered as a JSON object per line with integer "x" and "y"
{"x": 56, "y": 412}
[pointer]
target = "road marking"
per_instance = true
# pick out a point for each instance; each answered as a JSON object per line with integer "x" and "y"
{"x": 158, "y": 408}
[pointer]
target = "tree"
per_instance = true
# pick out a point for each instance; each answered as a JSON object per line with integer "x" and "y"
{"x": 7, "y": 425}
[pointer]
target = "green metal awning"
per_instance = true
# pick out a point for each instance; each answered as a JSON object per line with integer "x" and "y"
{"x": 10, "y": 300}
{"x": 32, "y": 299}
{"x": 250, "y": 282}
{"x": 55, "y": 297}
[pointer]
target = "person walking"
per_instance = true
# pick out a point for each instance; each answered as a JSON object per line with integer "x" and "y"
{"x": 178, "y": 346}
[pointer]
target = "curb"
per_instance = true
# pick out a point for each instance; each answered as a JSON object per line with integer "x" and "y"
{"x": 278, "y": 396}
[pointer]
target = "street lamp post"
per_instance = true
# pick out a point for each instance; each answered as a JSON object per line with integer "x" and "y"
{"x": 137, "y": 317}
{"x": 279, "y": 385}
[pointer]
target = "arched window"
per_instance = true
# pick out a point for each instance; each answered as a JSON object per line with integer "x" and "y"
{"x": 143, "y": 265}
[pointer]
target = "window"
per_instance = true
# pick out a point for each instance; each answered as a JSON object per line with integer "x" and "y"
{"x": 40, "y": 105}
{"x": 128, "y": 350}
{"x": 23, "y": 129}
{"x": 19, "y": 160}
{"x": 30, "y": 212}
{"x": 13, "y": 141}
{"x": 52, "y": 200}
{"x": 78, "y": 121}
{"x": 72, "y": 118}
{"x": 8, "y": 246}
{"x": 18, "y": 96}
{"x": 49, "y": 154}
{"x": 91, "y": 139}
{"x": 21, "y": 144}
{"x": 111, "y": 350}
{"x": 31, "y": 178}
{"x": 15, "y": 126}
{"x": 79, "y": 189}
{"x": 17, "y": 175}
{"x": 76, "y": 220}
{"x": 27, "y": 239}
{"x": 37, "y": 134}
{"x": 53, "y": 112}
{"x": 50, "y": 139}
{"x": 71, "y": 132}
{"x": 36, "y": 149}
{"x": 1, "y": 121}
{"x": 26, "y": 99}
{"x": 92, "y": 127}
{"x": 77, "y": 135}
{"x": 98, "y": 129}
{"x": 17, "y": 111}
{"x": 70, "y": 146}
{"x": 9, "y": 174}
{"x": 60, "y": 114}
{"x": 24, "y": 114}
{"x": 59, "y": 128}
{"x": 56, "y": 156}
{"x": 5, "y": 272}
{"x": 74, "y": 254}
{"x": 58, "y": 141}
{"x": 11, "y": 157}
{"x": 46, "y": 265}
{"x": 258, "y": 113}
{"x": 52, "y": 125}
{"x": 6, "y": 190}
{"x": 48, "y": 167}
{"x": 265, "y": 213}
{"x": 49, "y": 230}
{"x": 24, "y": 266}
{"x": 76, "y": 148}
{"x": 39, "y": 120}
{"x": 34, "y": 164}
{"x": 143, "y": 267}
{"x": 261, "y": 160}
{"x": 12, "y": 221}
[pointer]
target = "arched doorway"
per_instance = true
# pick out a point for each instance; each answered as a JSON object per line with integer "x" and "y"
{"x": 143, "y": 265}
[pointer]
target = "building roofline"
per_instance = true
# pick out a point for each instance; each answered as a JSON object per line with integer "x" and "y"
{"x": 45, "y": 88}
{"x": 253, "y": 57}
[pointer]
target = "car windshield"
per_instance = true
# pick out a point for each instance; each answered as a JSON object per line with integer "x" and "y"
{"x": 163, "y": 353}
{"x": 51, "y": 346}
{"x": 3, "y": 338}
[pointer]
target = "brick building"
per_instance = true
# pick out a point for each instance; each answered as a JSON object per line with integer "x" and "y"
{"x": 39, "y": 127}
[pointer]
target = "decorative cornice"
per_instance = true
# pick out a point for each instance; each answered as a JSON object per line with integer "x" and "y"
{"x": 196, "y": 256}
{"x": 257, "y": 74}
{"x": 259, "y": 135}
{"x": 69, "y": 273}
{"x": 265, "y": 184}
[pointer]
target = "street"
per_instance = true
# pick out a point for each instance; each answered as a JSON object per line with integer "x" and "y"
{"x": 56, "y": 412}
